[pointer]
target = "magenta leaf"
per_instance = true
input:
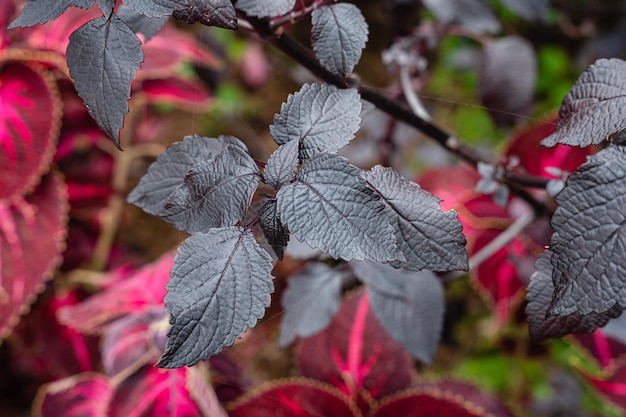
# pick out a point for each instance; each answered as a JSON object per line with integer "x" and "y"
{"x": 132, "y": 295}
{"x": 29, "y": 126}
{"x": 182, "y": 93}
{"x": 81, "y": 395}
{"x": 355, "y": 353}
{"x": 611, "y": 386}
{"x": 296, "y": 397}
{"x": 23, "y": 224}
{"x": 154, "y": 392}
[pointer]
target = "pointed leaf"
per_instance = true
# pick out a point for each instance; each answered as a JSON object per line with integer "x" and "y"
{"x": 409, "y": 305}
{"x": 590, "y": 233}
{"x": 310, "y": 302}
{"x": 162, "y": 393}
{"x": 338, "y": 35}
{"x": 330, "y": 207}
{"x": 106, "y": 6}
{"x": 535, "y": 10}
{"x": 507, "y": 73}
{"x": 167, "y": 173}
{"x": 355, "y": 353}
{"x": 321, "y": 117}
{"x": 103, "y": 56}
{"x": 294, "y": 397}
{"x": 593, "y": 110}
{"x": 82, "y": 395}
{"x": 282, "y": 165}
{"x": 275, "y": 232}
{"x": 220, "y": 13}
{"x": 154, "y": 8}
{"x": 472, "y": 14}
{"x": 32, "y": 227}
{"x": 27, "y": 140}
{"x": 215, "y": 193}
{"x": 539, "y": 298}
{"x": 37, "y": 11}
{"x": 220, "y": 286}
{"x": 140, "y": 23}
{"x": 265, "y": 8}
{"x": 428, "y": 237}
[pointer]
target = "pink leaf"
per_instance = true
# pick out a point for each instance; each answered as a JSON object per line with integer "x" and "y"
{"x": 32, "y": 233}
{"x": 295, "y": 397}
{"x": 354, "y": 353}
{"x": 186, "y": 94}
{"x": 144, "y": 289}
{"x": 155, "y": 392}
{"x": 82, "y": 395}
{"x": 612, "y": 386}
{"x": 29, "y": 126}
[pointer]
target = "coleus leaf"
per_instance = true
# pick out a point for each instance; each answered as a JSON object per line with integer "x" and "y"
{"x": 189, "y": 95}
{"x": 330, "y": 207}
{"x": 27, "y": 140}
{"x": 215, "y": 193}
{"x": 23, "y": 222}
{"x": 282, "y": 165}
{"x": 528, "y": 9}
{"x": 355, "y": 353}
{"x": 167, "y": 173}
{"x": 539, "y": 297}
{"x": 37, "y": 11}
{"x": 81, "y": 395}
{"x": 472, "y": 14}
{"x": 589, "y": 230}
{"x": 611, "y": 384}
{"x": 507, "y": 73}
{"x": 428, "y": 237}
{"x": 220, "y": 286}
{"x": 163, "y": 393}
{"x": 593, "y": 111}
{"x": 409, "y": 305}
{"x": 338, "y": 36}
{"x": 154, "y": 8}
{"x": 140, "y": 23}
{"x": 220, "y": 13}
{"x": 265, "y": 8}
{"x": 302, "y": 317}
{"x": 274, "y": 231}
{"x": 295, "y": 397}
{"x": 321, "y": 117}
{"x": 103, "y": 56}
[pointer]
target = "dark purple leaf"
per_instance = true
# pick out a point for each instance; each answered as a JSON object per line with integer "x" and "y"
{"x": 274, "y": 231}
{"x": 294, "y": 398}
{"x": 330, "y": 207}
{"x": 140, "y": 23}
{"x": 590, "y": 233}
{"x": 220, "y": 286}
{"x": 338, "y": 34}
{"x": 38, "y": 11}
{"x": 595, "y": 108}
{"x": 539, "y": 297}
{"x": 215, "y": 193}
{"x": 507, "y": 73}
{"x": 282, "y": 165}
{"x": 27, "y": 140}
{"x": 154, "y": 8}
{"x": 265, "y": 8}
{"x": 409, "y": 305}
{"x": 310, "y": 302}
{"x": 81, "y": 395}
{"x": 428, "y": 237}
{"x": 31, "y": 228}
{"x": 103, "y": 56}
{"x": 354, "y": 353}
{"x": 220, "y": 13}
{"x": 322, "y": 118}
{"x": 473, "y": 14}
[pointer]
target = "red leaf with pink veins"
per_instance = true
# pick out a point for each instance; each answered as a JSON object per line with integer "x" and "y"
{"x": 82, "y": 395}
{"x": 612, "y": 386}
{"x": 30, "y": 119}
{"x": 132, "y": 295}
{"x": 355, "y": 353}
{"x": 294, "y": 397}
{"x": 156, "y": 392}
{"x": 189, "y": 95}
{"x": 32, "y": 235}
